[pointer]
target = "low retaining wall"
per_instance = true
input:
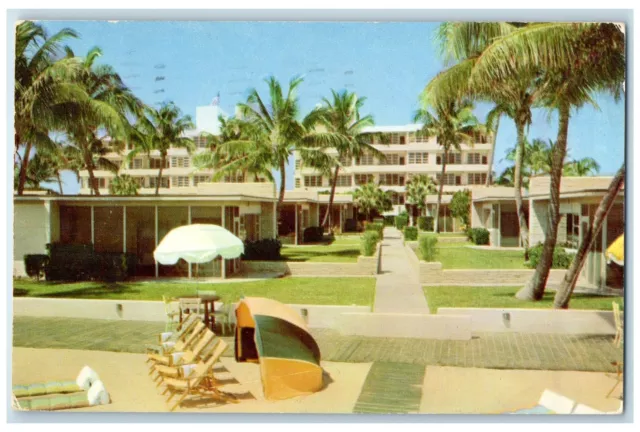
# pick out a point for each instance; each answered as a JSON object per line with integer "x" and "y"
{"x": 450, "y": 327}
{"x": 365, "y": 266}
{"x": 318, "y": 316}
{"x": 432, "y": 273}
{"x": 585, "y": 322}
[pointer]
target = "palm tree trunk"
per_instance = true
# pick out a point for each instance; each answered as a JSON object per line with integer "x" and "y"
{"x": 517, "y": 184}
{"x": 534, "y": 289}
{"x": 92, "y": 180}
{"x": 436, "y": 227}
{"x": 159, "y": 179}
{"x": 282, "y": 189}
{"x": 492, "y": 155}
{"x": 334, "y": 181}
{"x": 563, "y": 295}
{"x": 23, "y": 168}
{"x": 59, "y": 182}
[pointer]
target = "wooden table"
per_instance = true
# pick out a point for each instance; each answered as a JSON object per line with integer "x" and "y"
{"x": 208, "y": 302}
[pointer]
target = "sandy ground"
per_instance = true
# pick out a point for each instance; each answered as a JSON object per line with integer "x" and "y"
{"x": 451, "y": 390}
{"x": 131, "y": 389}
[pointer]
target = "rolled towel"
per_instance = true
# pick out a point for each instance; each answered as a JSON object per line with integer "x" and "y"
{"x": 188, "y": 369}
{"x": 164, "y": 337}
{"x": 97, "y": 394}
{"x": 86, "y": 378}
{"x": 175, "y": 357}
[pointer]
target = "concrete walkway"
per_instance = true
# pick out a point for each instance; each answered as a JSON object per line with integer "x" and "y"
{"x": 398, "y": 288}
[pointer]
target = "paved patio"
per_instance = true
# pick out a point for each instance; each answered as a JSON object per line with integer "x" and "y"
{"x": 488, "y": 350}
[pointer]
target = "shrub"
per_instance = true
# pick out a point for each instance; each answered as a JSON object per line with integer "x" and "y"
{"x": 377, "y": 227}
{"x": 369, "y": 242}
{"x": 561, "y": 259}
{"x": 469, "y": 233}
{"x": 350, "y": 225}
{"x": 312, "y": 234}
{"x": 480, "y": 236}
{"x": 425, "y": 223}
{"x": 402, "y": 220}
{"x": 411, "y": 233}
{"x": 114, "y": 267}
{"x": 379, "y": 219}
{"x": 70, "y": 262}
{"x": 389, "y": 220}
{"x": 262, "y": 250}
{"x": 35, "y": 264}
{"x": 427, "y": 249}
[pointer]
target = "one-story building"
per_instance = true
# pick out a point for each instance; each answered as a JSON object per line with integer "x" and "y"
{"x": 136, "y": 224}
{"x": 494, "y": 208}
{"x": 579, "y": 200}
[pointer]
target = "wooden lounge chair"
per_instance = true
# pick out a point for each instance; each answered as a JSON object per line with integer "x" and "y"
{"x": 200, "y": 382}
{"x": 179, "y": 348}
{"x": 619, "y": 327}
{"x": 96, "y": 395}
{"x": 85, "y": 378}
{"x": 167, "y": 340}
{"x": 186, "y": 364}
{"x": 188, "y": 356}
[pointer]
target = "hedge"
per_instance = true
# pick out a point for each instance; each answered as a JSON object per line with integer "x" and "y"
{"x": 401, "y": 221}
{"x": 480, "y": 236}
{"x": 80, "y": 262}
{"x": 389, "y": 220}
{"x": 350, "y": 225}
{"x": 411, "y": 233}
{"x": 561, "y": 259}
{"x": 427, "y": 247}
{"x": 312, "y": 234}
{"x": 425, "y": 223}
{"x": 377, "y": 227}
{"x": 262, "y": 250}
{"x": 35, "y": 265}
{"x": 369, "y": 243}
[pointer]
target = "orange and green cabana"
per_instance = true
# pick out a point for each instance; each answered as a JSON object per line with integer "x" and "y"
{"x": 615, "y": 252}
{"x": 275, "y": 336}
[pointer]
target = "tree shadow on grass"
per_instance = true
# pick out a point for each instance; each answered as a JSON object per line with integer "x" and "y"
{"x": 307, "y": 255}
{"x": 103, "y": 290}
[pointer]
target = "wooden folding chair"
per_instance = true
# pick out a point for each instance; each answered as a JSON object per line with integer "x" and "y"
{"x": 167, "y": 340}
{"x": 179, "y": 347}
{"x": 200, "y": 382}
{"x": 189, "y": 361}
{"x": 188, "y": 356}
{"x": 618, "y": 323}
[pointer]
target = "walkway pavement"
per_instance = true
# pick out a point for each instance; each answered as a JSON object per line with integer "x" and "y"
{"x": 398, "y": 288}
{"x": 485, "y": 350}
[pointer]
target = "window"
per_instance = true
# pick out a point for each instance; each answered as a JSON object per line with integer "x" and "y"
{"x": 476, "y": 178}
{"x": 343, "y": 181}
{"x": 155, "y": 163}
{"x": 395, "y": 139}
{"x": 449, "y": 179}
{"x": 101, "y": 182}
{"x": 297, "y": 184}
{"x": 473, "y": 158}
{"x": 201, "y": 142}
{"x": 297, "y": 164}
{"x": 179, "y": 162}
{"x": 313, "y": 181}
{"x": 365, "y": 159}
{"x": 454, "y": 159}
{"x": 164, "y": 184}
{"x": 201, "y": 179}
{"x": 397, "y": 198}
{"x": 135, "y": 163}
{"x": 392, "y": 179}
{"x": 234, "y": 178}
{"x": 392, "y": 159}
{"x": 403, "y": 139}
{"x": 362, "y": 179}
{"x": 484, "y": 160}
{"x": 180, "y": 181}
{"x": 421, "y": 137}
{"x": 419, "y": 158}
{"x": 573, "y": 229}
{"x": 345, "y": 161}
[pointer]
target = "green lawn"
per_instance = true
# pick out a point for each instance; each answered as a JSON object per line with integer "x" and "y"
{"x": 325, "y": 291}
{"x": 341, "y": 250}
{"x": 458, "y": 256}
{"x": 503, "y": 297}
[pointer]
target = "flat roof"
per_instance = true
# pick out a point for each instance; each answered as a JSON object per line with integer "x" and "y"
{"x": 143, "y": 198}
{"x": 571, "y": 187}
{"x": 411, "y": 127}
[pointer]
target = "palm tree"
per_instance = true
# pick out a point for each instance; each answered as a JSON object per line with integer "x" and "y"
{"x": 281, "y": 129}
{"x": 513, "y": 95}
{"x": 581, "y": 167}
{"x": 370, "y": 198}
{"x": 41, "y": 169}
{"x": 161, "y": 129}
{"x": 241, "y": 147}
{"x": 417, "y": 189}
{"x": 564, "y": 291}
{"x": 42, "y": 83}
{"x": 452, "y": 124}
{"x": 106, "y": 109}
{"x": 341, "y": 115}
{"x": 123, "y": 184}
{"x": 577, "y": 59}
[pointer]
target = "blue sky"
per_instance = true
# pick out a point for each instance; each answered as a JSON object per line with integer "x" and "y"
{"x": 389, "y": 63}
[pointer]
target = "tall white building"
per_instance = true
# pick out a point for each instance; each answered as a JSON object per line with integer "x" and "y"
{"x": 407, "y": 153}
{"x": 179, "y": 175}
